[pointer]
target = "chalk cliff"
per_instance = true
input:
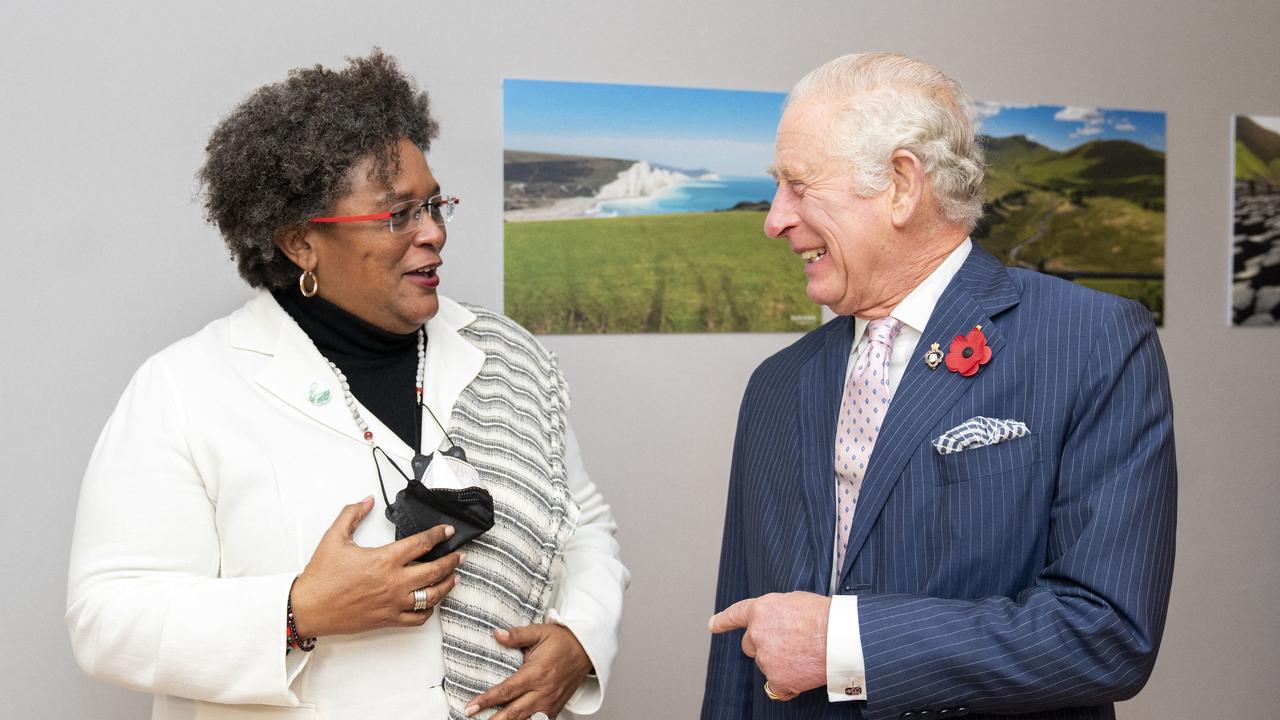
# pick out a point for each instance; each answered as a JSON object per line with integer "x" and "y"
{"x": 640, "y": 180}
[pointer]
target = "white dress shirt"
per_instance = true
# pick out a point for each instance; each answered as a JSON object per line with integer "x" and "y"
{"x": 846, "y": 667}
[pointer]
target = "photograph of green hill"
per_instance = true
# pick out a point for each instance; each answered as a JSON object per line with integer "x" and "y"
{"x": 1255, "y": 265}
{"x": 1078, "y": 192}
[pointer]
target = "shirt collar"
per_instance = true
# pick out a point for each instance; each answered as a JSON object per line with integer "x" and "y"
{"x": 916, "y": 308}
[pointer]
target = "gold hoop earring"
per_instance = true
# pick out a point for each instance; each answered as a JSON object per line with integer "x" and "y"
{"x": 302, "y": 283}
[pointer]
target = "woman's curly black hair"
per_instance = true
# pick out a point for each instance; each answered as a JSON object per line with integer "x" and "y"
{"x": 284, "y": 153}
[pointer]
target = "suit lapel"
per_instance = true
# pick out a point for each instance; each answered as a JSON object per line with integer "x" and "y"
{"x": 821, "y": 385}
{"x": 980, "y": 289}
{"x": 297, "y": 374}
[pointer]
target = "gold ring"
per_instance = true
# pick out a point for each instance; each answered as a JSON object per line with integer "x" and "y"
{"x": 769, "y": 691}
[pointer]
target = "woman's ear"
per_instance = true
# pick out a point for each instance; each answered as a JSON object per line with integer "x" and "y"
{"x": 295, "y": 243}
{"x": 908, "y": 187}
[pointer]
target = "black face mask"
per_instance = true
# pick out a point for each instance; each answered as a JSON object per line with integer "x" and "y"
{"x": 419, "y": 507}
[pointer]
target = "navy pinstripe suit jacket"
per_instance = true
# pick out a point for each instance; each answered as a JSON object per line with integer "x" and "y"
{"x": 1026, "y": 578}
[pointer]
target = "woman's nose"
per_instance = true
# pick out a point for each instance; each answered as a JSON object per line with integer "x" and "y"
{"x": 430, "y": 233}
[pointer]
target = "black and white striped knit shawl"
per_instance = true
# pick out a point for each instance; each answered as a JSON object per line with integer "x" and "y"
{"x": 511, "y": 422}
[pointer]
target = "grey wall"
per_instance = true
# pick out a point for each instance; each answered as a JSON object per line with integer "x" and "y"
{"x": 106, "y": 108}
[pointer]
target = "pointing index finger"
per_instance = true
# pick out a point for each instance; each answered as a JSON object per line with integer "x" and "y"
{"x": 737, "y": 615}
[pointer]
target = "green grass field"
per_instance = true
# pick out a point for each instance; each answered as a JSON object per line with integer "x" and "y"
{"x": 1106, "y": 233}
{"x": 1109, "y": 234}
{"x": 686, "y": 272}
{"x": 717, "y": 272}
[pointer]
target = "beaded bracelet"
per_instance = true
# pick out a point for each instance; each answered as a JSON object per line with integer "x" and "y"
{"x": 292, "y": 637}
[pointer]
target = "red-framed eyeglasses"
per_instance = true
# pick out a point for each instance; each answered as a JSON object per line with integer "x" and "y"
{"x": 407, "y": 215}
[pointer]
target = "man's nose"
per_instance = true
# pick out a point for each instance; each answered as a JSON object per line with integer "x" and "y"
{"x": 781, "y": 214}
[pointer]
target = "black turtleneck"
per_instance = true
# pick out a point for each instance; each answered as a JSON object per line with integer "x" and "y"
{"x": 381, "y": 367}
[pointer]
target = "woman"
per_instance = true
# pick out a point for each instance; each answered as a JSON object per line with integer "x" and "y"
{"x": 208, "y": 566}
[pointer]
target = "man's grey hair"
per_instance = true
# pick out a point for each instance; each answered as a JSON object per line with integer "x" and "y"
{"x": 885, "y": 102}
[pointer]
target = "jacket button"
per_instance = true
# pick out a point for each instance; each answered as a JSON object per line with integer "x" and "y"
{"x": 908, "y": 715}
{"x": 962, "y": 710}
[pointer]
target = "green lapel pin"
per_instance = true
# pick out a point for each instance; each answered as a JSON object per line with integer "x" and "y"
{"x": 317, "y": 396}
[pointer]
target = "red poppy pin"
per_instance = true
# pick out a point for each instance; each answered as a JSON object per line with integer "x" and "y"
{"x": 968, "y": 353}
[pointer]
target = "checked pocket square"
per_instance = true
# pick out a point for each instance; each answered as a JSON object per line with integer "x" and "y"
{"x": 978, "y": 432}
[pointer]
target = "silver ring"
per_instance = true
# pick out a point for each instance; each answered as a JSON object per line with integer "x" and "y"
{"x": 420, "y": 599}
{"x": 539, "y": 716}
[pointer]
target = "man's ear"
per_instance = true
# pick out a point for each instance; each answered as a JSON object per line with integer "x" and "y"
{"x": 908, "y": 189}
{"x": 294, "y": 242}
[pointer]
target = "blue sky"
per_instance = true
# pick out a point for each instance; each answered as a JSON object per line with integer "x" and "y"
{"x": 731, "y": 131}
{"x": 1064, "y": 127}
{"x": 727, "y": 131}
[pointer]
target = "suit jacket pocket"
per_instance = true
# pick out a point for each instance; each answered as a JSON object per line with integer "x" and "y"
{"x": 989, "y": 460}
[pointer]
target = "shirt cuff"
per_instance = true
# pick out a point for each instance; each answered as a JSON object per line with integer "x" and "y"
{"x": 590, "y": 695}
{"x": 293, "y": 663}
{"x": 846, "y": 668}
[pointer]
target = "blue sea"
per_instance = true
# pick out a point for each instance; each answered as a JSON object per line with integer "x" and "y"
{"x": 694, "y": 196}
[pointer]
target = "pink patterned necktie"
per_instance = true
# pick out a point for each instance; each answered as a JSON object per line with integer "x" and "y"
{"x": 866, "y": 400}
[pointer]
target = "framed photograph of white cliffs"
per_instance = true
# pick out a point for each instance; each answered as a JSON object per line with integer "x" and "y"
{"x": 1255, "y": 261}
{"x": 640, "y": 209}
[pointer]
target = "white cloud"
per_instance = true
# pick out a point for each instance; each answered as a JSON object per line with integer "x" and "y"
{"x": 1073, "y": 113}
{"x": 1092, "y": 120}
{"x": 1124, "y": 125}
{"x": 1086, "y": 130}
{"x": 988, "y": 109}
{"x": 991, "y": 109}
{"x": 726, "y": 157}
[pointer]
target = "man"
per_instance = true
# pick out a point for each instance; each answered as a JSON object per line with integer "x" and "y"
{"x": 958, "y": 497}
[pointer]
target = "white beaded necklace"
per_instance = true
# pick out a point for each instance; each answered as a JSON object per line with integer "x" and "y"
{"x": 351, "y": 400}
{"x": 420, "y": 462}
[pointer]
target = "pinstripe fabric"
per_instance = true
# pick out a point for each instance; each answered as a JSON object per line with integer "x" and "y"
{"x": 1025, "y": 578}
{"x": 511, "y": 421}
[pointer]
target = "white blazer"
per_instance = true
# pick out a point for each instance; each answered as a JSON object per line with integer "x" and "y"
{"x": 208, "y": 491}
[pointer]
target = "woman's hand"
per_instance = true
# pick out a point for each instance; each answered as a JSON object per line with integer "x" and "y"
{"x": 554, "y": 666}
{"x": 347, "y": 589}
